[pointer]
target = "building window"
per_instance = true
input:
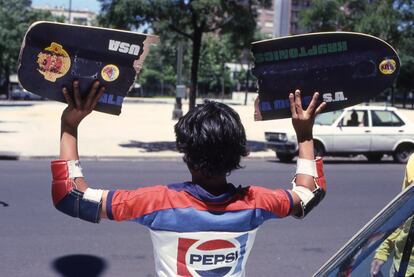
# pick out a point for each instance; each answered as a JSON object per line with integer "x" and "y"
{"x": 269, "y": 24}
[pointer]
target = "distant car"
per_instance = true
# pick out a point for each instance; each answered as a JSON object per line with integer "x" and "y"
{"x": 19, "y": 94}
{"x": 369, "y": 130}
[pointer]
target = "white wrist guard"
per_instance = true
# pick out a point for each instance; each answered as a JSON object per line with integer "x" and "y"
{"x": 75, "y": 169}
{"x": 307, "y": 167}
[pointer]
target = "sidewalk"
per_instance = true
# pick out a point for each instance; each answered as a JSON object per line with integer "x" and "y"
{"x": 144, "y": 129}
{"x": 30, "y": 130}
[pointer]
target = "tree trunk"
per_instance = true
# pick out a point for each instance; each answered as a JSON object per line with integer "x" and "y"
{"x": 7, "y": 83}
{"x": 194, "y": 67}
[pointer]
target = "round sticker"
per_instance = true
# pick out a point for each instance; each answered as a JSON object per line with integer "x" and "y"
{"x": 53, "y": 62}
{"x": 110, "y": 72}
{"x": 387, "y": 66}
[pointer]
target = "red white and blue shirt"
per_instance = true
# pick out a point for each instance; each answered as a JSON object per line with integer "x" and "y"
{"x": 195, "y": 233}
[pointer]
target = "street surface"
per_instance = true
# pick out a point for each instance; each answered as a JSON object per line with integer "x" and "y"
{"x": 37, "y": 240}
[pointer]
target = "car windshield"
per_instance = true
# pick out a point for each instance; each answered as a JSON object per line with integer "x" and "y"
{"x": 356, "y": 256}
{"x": 327, "y": 118}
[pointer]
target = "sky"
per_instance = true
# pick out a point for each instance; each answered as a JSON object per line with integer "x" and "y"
{"x": 92, "y": 5}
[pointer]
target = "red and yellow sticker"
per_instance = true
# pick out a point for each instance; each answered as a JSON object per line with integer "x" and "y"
{"x": 388, "y": 66}
{"x": 53, "y": 61}
{"x": 110, "y": 72}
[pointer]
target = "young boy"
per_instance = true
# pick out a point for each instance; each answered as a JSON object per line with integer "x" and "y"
{"x": 204, "y": 227}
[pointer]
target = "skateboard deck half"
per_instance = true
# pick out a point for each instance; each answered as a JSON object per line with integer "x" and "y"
{"x": 345, "y": 68}
{"x": 54, "y": 54}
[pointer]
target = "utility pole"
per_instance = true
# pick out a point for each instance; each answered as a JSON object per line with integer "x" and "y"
{"x": 246, "y": 60}
{"x": 70, "y": 12}
{"x": 180, "y": 88}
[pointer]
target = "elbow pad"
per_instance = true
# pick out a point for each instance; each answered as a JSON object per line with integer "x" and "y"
{"x": 310, "y": 199}
{"x": 67, "y": 199}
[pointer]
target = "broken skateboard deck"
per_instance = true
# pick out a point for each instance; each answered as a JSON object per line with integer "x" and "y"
{"x": 54, "y": 54}
{"x": 345, "y": 68}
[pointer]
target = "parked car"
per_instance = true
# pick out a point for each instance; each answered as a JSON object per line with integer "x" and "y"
{"x": 355, "y": 257}
{"x": 369, "y": 130}
{"x": 20, "y": 94}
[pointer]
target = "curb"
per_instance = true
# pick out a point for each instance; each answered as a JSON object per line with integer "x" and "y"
{"x": 5, "y": 156}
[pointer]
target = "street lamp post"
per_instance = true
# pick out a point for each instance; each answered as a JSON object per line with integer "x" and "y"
{"x": 180, "y": 89}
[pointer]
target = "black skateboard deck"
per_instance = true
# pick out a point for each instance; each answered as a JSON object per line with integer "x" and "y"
{"x": 54, "y": 54}
{"x": 345, "y": 68}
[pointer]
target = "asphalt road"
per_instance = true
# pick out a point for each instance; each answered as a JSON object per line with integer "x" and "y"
{"x": 37, "y": 240}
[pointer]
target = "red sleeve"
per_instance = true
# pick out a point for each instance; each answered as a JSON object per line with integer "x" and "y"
{"x": 279, "y": 202}
{"x": 129, "y": 204}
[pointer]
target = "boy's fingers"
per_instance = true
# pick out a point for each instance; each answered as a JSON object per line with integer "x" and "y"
{"x": 98, "y": 96}
{"x": 76, "y": 93}
{"x": 292, "y": 104}
{"x": 320, "y": 108}
{"x": 312, "y": 104}
{"x": 298, "y": 102}
{"x": 92, "y": 93}
{"x": 67, "y": 97}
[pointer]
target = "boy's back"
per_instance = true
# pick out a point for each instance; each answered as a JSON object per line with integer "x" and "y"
{"x": 204, "y": 227}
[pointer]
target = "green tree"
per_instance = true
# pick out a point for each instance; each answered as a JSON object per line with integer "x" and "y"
{"x": 322, "y": 16}
{"x": 189, "y": 19}
{"x": 214, "y": 76}
{"x": 15, "y": 18}
{"x": 159, "y": 71}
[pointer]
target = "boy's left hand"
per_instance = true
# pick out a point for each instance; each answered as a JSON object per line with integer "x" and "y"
{"x": 302, "y": 120}
{"x": 79, "y": 108}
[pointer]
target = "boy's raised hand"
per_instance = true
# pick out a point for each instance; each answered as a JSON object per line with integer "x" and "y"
{"x": 302, "y": 120}
{"x": 79, "y": 108}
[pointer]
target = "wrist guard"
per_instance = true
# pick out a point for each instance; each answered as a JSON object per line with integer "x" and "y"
{"x": 67, "y": 198}
{"x": 310, "y": 198}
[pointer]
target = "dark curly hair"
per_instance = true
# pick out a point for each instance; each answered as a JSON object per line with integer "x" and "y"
{"x": 212, "y": 138}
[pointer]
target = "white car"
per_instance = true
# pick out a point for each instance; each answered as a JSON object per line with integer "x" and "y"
{"x": 369, "y": 130}
{"x": 22, "y": 94}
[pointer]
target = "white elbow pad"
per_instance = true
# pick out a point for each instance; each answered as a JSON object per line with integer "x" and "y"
{"x": 309, "y": 198}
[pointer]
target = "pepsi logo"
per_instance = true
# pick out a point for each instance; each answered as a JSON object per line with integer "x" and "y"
{"x": 219, "y": 257}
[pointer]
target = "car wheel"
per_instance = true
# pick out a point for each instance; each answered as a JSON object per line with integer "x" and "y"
{"x": 318, "y": 149}
{"x": 284, "y": 157}
{"x": 403, "y": 152}
{"x": 374, "y": 158}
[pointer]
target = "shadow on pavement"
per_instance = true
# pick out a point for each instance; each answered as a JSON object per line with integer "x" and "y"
{"x": 79, "y": 266}
{"x": 156, "y": 146}
{"x": 4, "y": 204}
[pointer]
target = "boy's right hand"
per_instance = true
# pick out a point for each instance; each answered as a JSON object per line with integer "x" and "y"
{"x": 302, "y": 120}
{"x": 79, "y": 108}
